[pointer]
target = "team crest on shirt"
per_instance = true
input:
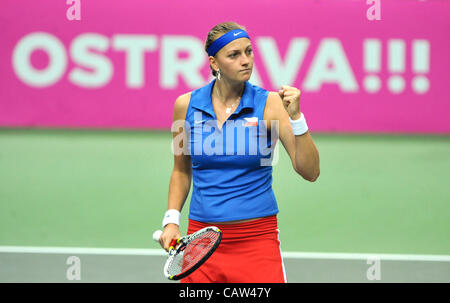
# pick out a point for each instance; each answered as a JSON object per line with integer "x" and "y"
{"x": 251, "y": 121}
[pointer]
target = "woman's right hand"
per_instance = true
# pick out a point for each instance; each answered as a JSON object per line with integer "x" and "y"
{"x": 170, "y": 232}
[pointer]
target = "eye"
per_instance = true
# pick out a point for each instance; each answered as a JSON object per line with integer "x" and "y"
{"x": 232, "y": 55}
{"x": 249, "y": 51}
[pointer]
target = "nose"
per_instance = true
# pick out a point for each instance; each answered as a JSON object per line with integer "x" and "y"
{"x": 245, "y": 60}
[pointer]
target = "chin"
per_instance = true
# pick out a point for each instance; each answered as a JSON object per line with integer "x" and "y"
{"x": 246, "y": 77}
{"x": 241, "y": 79}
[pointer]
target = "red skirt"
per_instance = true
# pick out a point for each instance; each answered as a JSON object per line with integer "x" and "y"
{"x": 248, "y": 253}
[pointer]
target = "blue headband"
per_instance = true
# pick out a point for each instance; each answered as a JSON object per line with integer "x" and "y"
{"x": 225, "y": 39}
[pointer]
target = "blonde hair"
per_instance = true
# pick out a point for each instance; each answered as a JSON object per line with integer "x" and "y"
{"x": 217, "y": 31}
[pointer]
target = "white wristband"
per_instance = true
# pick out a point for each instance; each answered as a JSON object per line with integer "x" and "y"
{"x": 171, "y": 216}
{"x": 299, "y": 126}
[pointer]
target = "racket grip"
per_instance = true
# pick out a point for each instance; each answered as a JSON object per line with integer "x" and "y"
{"x": 173, "y": 243}
{"x": 156, "y": 235}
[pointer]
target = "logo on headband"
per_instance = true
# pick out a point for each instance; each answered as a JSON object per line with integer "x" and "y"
{"x": 235, "y": 34}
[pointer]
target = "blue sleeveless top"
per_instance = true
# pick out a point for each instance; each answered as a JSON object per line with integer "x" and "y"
{"x": 231, "y": 165}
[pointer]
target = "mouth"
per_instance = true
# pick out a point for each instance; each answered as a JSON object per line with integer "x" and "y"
{"x": 246, "y": 70}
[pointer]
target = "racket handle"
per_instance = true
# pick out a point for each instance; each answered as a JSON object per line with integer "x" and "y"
{"x": 173, "y": 243}
{"x": 157, "y": 235}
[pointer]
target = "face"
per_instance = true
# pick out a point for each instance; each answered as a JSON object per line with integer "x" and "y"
{"x": 235, "y": 60}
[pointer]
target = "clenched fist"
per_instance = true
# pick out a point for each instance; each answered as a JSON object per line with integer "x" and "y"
{"x": 291, "y": 100}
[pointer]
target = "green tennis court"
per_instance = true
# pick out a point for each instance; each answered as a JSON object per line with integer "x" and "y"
{"x": 377, "y": 194}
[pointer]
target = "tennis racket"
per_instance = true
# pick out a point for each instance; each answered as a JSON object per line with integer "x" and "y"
{"x": 188, "y": 253}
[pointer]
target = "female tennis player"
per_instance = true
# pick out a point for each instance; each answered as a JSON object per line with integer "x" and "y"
{"x": 232, "y": 189}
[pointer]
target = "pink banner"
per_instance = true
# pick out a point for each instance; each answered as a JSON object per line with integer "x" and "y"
{"x": 362, "y": 66}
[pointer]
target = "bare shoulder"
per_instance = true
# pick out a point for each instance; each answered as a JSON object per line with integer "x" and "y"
{"x": 274, "y": 109}
{"x": 180, "y": 107}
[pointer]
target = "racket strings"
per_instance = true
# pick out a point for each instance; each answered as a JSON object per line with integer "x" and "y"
{"x": 196, "y": 249}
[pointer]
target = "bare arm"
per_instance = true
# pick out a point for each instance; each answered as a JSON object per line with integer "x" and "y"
{"x": 301, "y": 149}
{"x": 180, "y": 179}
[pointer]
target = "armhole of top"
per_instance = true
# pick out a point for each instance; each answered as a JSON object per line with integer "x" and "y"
{"x": 266, "y": 93}
{"x": 268, "y": 121}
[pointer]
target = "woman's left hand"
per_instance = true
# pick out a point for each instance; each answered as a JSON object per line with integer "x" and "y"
{"x": 291, "y": 100}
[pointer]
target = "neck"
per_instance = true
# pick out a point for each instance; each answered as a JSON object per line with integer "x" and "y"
{"x": 227, "y": 91}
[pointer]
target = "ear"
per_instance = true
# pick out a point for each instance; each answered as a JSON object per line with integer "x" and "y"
{"x": 213, "y": 63}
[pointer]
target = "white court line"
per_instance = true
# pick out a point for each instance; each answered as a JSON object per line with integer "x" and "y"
{"x": 82, "y": 250}
{"x": 356, "y": 256}
{"x": 160, "y": 252}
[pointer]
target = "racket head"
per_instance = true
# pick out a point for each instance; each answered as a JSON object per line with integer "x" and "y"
{"x": 193, "y": 250}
